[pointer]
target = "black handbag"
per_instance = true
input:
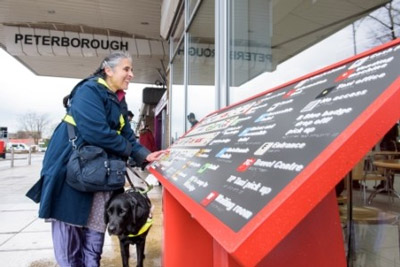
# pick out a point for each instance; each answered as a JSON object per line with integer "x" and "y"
{"x": 91, "y": 169}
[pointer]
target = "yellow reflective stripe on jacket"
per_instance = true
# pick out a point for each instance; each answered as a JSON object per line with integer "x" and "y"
{"x": 121, "y": 123}
{"x": 144, "y": 228}
{"x": 121, "y": 118}
{"x": 103, "y": 82}
{"x": 69, "y": 119}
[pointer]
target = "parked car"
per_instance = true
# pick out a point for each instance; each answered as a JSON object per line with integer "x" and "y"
{"x": 42, "y": 148}
{"x": 18, "y": 147}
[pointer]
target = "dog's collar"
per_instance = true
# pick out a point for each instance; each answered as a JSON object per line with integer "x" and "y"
{"x": 144, "y": 228}
{"x": 143, "y": 192}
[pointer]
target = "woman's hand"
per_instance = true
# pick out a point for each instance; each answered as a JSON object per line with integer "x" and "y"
{"x": 155, "y": 155}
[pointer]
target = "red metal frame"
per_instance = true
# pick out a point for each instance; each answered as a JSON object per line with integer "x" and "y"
{"x": 273, "y": 224}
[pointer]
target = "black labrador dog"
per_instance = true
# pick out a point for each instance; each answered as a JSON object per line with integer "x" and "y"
{"x": 128, "y": 215}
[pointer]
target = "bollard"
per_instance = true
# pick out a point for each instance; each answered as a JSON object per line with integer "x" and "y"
{"x": 12, "y": 157}
{"x": 29, "y": 155}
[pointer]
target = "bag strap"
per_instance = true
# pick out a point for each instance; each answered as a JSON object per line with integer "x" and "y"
{"x": 149, "y": 186}
{"x": 71, "y": 129}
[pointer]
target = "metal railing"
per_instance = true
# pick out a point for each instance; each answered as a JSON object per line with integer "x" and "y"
{"x": 13, "y": 158}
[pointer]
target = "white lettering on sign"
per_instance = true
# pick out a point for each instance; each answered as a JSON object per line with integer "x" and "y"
{"x": 382, "y": 53}
{"x": 253, "y": 109}
{"x": 278, "y": 145}
{"x": 194, "y": 164}
{"x": 213, "y": 167}
{"x": 312, "y": 84}
{"x": 225, "y": 156}
{"x": 274, "y": 106}
{"x": 265, "y": 190}
{"x": 344, "y": 85}
{"x": 295, "y": 131}
{"x": 261, "y": 163}
{"x": 199, "y": 182}
{"x": 241, "y": 119}
{"x": 287, "y": 110}
{"x": 192, "y": 181}
{"x": 266, "y": 127}
{"x": 240, "y": 182}
{"x": 289, "y": 145}
{"x": 237, "y": 150}
{"x": 308, "y": 116}
{"x": 300, "y": 130}
{"x": 288, "y": 166}
{"x": 374, "y": 64}
{"x": 242, "y": 212}
{"x": 337, "y": 112}
{"x": 365, "y": 71}
{"x": 304, "y": 120}
{"x": 220, "y": 141}
{"x": 228, "y": 132}
{"x": 323, "y": 120}
{"x": 199, "y": 140}
{"x": 300, "y": 84}
{"x": 254, "y": 133}
{"x": 303, "y": 123}
{"x": 189, "y": 186}
{"x": 252, "y": 186}
{"x": 350, "y": 95}
{"x": 371, "y": 78}
{"x": 225, "y": 201}
{"x": 272, "y": 96}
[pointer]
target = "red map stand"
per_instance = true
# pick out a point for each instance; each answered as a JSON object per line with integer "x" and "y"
{"x": 298, "y": 227}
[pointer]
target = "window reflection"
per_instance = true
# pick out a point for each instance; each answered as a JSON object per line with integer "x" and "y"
{"x": 201, "y": 51}
{"x": 177, "y": 97}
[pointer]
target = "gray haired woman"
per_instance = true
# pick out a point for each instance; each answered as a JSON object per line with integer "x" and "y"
{"x": 77, "y": 217}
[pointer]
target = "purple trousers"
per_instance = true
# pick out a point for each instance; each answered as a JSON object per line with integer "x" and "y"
{"x": 76, "y": 246}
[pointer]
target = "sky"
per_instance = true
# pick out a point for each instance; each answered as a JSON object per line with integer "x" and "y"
{"x": 22, "y": 92}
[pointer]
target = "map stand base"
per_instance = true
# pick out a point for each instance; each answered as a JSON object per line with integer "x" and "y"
{"x": 316, "y": 241}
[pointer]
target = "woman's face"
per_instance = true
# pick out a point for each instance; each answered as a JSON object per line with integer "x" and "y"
{"x": 119, "y": 77}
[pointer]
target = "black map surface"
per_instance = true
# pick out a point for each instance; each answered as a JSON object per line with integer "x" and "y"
{"x": 234, "y": 162}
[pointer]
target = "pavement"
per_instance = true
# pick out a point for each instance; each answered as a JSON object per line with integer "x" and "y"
{"x": 25, "y": 240}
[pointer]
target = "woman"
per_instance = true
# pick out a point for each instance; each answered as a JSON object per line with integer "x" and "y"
{"x": 77, "y": 217}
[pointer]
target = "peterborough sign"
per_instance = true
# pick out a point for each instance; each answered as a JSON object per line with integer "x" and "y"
{"x": 22, "y": 41}
{"x": 47, "y": 40}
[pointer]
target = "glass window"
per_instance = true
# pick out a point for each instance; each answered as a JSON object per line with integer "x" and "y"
{"x": 271, "y": 42}
{"x": 201, "y": 62}
{"x": 177, "y": 115}
{"x": 250, "y": 43}
{"x": 177, "y": 34}
{"x": 191, "y": 6}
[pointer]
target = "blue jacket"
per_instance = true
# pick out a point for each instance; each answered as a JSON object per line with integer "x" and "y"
{"x": 96, "y": 111}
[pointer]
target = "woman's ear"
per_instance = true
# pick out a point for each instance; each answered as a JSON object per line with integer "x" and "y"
{"x": 108, "y": 71}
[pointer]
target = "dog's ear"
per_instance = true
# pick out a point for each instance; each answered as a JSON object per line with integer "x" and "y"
{"x": 133, "y": 205}
{"x": 113, "y": 194}
{"x": 142, "y": 212}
